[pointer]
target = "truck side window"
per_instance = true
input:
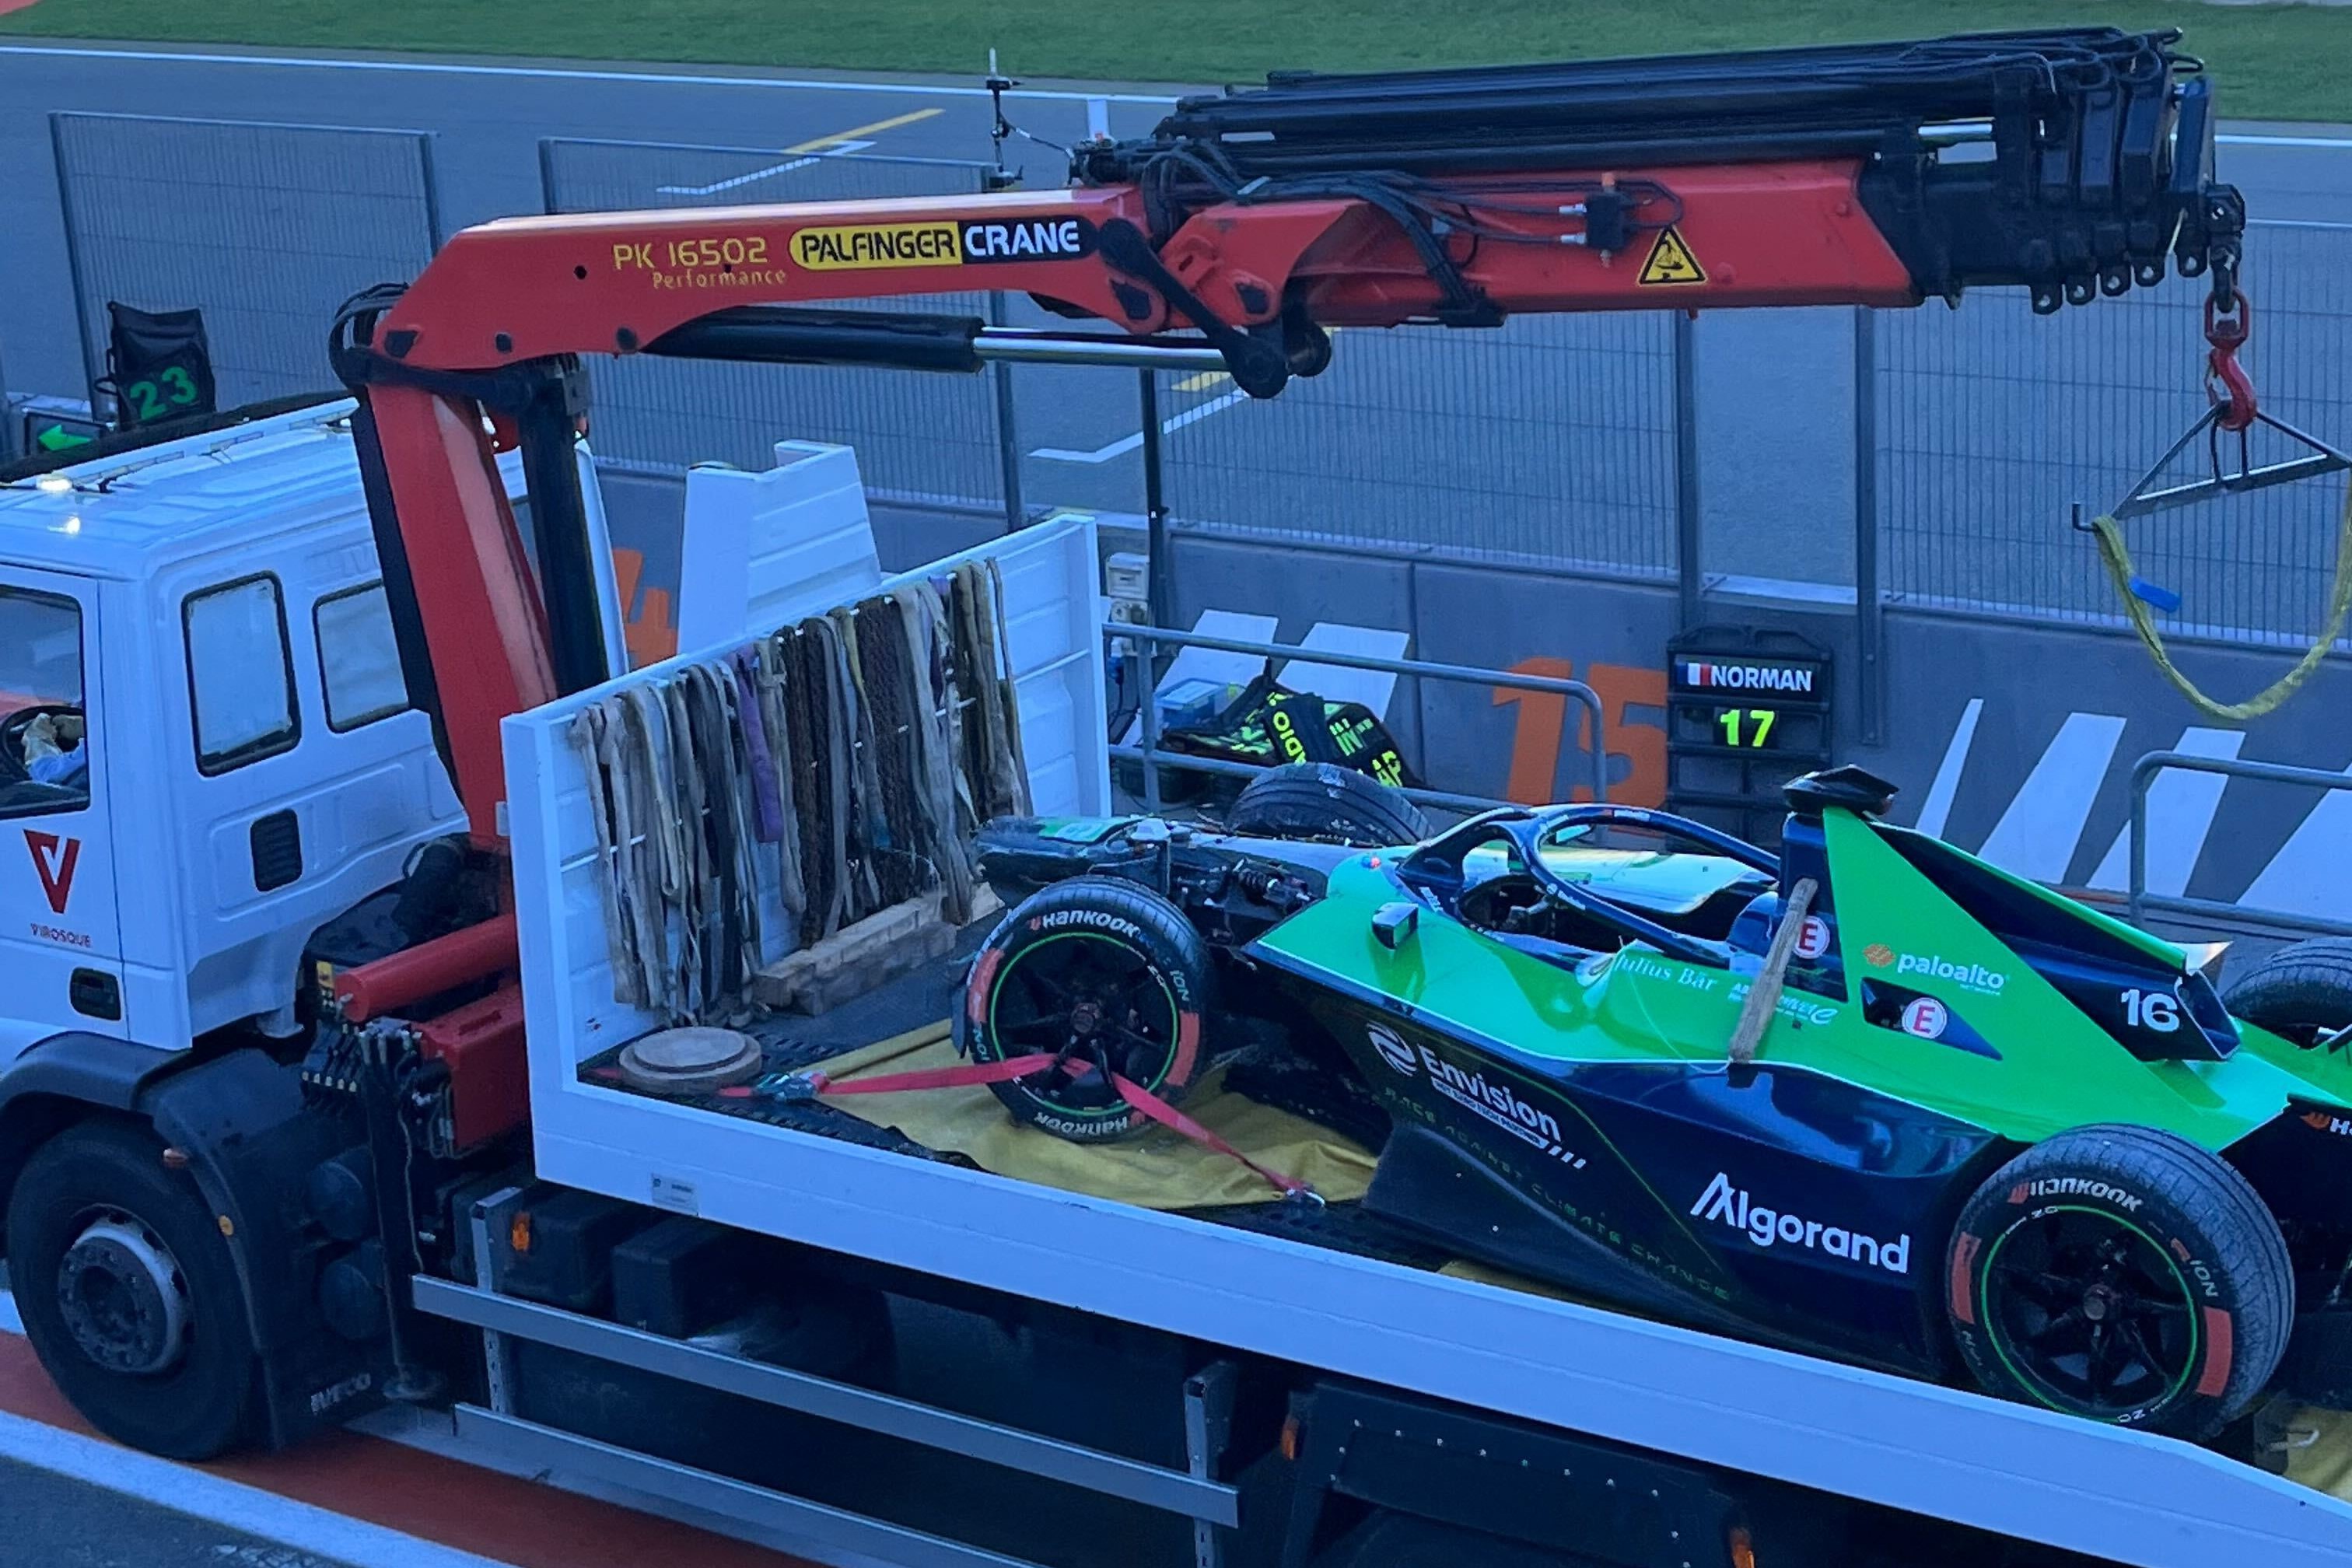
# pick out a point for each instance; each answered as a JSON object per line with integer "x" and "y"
{"x": 240, "y": 673}
{"x": 359, "y": 662}
{"x": 44, "y": 755}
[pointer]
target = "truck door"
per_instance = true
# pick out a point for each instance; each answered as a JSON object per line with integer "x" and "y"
{"x": 61, "y": 941}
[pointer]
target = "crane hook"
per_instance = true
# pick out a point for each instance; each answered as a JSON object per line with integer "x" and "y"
{"x": 2226, "y": 381}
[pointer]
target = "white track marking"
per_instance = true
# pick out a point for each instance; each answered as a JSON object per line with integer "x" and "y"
{"x": 1338, "y": 682}
{"x": 2037, "y": 836}
{"x": 575, "y": 73}
{"x": 1937, "y": 809}
{"x": 228, "y": 1504}
{"x": 2306, "y": 876}
{"x": 2181, "y": 807}
{"x": 758, "y": 174}
{"x": 1126, "y": 443}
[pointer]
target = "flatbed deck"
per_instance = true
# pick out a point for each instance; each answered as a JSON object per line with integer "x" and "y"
{"x": 1939, "y": 1452}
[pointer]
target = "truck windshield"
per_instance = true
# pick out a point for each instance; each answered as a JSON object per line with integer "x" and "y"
{"x": 44, "y": 755}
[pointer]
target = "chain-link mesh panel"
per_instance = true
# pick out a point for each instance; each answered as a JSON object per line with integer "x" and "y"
{"x": 265, "y": 228}
{"x": 1994, "y": 423}
{"x": 1550, "y": 439}
{"x": 919, "y": 437}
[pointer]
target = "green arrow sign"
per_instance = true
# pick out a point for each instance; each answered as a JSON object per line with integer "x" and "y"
{"x": 57, "y": 438}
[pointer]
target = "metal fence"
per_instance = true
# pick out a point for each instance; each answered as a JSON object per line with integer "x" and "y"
{"x": 1552, "y": 439}
{"x": 937, "y": 440}
{"x": 267, "y": 228}
{"x": 1567, "y": 442}
{"x": 1993, "y": 425}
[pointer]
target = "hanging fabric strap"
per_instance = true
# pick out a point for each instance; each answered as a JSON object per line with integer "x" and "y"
{"x": 2118, "y": 562}
{"x": 974, "y": 1074}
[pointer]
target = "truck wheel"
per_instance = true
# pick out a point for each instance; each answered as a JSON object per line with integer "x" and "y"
{"x": 2125, "y": 1275}
{"x": 1402, "y": 1541}
{"x": 1326, "y": 802}
{"x": 2304, "y": 990}
{"x": 129, "y": 1294}
{"x": 1106, "y": 976}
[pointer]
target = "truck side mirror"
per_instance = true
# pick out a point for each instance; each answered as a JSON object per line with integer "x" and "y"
{"x": 1394, "y": 924}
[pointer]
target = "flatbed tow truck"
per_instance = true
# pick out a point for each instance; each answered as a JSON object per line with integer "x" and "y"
{"x": 270, "y": 1161}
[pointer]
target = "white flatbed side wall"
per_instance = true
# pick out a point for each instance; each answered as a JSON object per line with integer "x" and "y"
{"x": 1936, "y": 1451}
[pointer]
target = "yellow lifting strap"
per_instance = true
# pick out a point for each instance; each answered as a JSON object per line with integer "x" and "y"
{"x": 2112, "y": 550}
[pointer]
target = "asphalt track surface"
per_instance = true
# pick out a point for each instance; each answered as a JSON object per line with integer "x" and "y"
{"x": 1775, "y": 388}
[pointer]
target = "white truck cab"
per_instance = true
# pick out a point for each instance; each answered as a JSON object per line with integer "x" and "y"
{"x": 207, "y": 749}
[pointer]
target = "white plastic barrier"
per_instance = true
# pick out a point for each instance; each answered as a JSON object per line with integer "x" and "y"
{"x": 765, "y": 550}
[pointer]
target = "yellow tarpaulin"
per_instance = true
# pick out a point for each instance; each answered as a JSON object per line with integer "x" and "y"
{"x": 1154, "y": 1169}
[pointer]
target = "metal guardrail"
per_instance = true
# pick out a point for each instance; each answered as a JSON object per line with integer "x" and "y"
{"x": 2138, "y": 901}
{"x": 1153, "y": 757}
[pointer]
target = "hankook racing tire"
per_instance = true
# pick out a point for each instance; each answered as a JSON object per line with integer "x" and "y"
{"x": 1104, "y": 976}
{"x": 129, "y": 1294}
{"x": 1326, "y": 802}
{"x": 2303, "y": 991}
{"x": 2124, "y": 1275}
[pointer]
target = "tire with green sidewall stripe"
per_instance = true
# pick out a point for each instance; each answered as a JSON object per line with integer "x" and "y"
{"x": 1140, "y": 979}
{"x": 2102, "y": 1226}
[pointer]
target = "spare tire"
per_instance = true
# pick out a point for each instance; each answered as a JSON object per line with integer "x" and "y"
{"x": 2303, "y": 992}
{"x": 2125, "y": 1275}
{"x": 1328, "y": 803}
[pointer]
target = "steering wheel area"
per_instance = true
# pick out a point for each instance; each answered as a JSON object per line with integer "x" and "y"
{"x": 14, "y": 768}
{"x": 1436, "y": 869}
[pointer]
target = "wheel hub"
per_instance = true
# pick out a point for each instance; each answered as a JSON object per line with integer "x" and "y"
{"x": 1085, "y": 1017}
{"x": 123, "y": 1298}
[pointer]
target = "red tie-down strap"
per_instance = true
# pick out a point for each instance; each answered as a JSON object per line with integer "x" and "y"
{"x": 974, "y": 1074}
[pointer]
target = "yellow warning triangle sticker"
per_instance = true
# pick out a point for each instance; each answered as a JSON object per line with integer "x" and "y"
{"x": 1671, "y": 261}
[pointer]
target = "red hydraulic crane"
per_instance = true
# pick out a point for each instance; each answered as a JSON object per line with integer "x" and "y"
{"x": 2071, "y": 163}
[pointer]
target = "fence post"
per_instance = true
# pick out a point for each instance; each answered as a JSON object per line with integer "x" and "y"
{"x": 1008, "y": 436}
{"x": 1155, "y": 515}
{"x": 1869, "y": 607}
{"x": 73, "y": 261}
{"x": 1008, "y": 433}
{"x": 1687, "y": 530}
{"x": 547, "y": 145}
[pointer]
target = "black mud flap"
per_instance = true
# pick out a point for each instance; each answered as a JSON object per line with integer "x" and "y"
{"x": 250, "y": 1142}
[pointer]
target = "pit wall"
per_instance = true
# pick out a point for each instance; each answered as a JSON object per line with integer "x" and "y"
{"x": 2009, "y": 736}
{"x": 2012, "y": 738}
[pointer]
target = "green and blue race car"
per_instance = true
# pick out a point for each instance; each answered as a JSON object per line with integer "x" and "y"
{"x": 1867, "y": 1096}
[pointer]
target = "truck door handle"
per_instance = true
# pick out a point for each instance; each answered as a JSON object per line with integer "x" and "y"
{"x": 95, "y": 994}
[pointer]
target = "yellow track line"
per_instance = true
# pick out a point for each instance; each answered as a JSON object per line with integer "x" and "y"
{"x": 855, "y": 131}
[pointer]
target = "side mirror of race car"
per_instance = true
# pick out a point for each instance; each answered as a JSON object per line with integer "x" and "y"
{"x": 1394, "y": 924}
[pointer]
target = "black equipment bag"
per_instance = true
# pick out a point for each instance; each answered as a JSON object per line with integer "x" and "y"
{"x": 158, "y": 365}
{"x": 1269, "y": 724}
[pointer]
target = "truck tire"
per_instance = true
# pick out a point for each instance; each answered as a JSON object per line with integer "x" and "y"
{"x": 1104, "y": 973}
{"x": 129, "y": 1294}
{"x": 1328, "y": 802}
{"x": 2301, "y": 992}
{"x": 1404, "y": 1540}
{"x": 2125, "y": 1275}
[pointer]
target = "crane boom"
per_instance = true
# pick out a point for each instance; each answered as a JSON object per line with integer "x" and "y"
{"x": 2071, "y": 163}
